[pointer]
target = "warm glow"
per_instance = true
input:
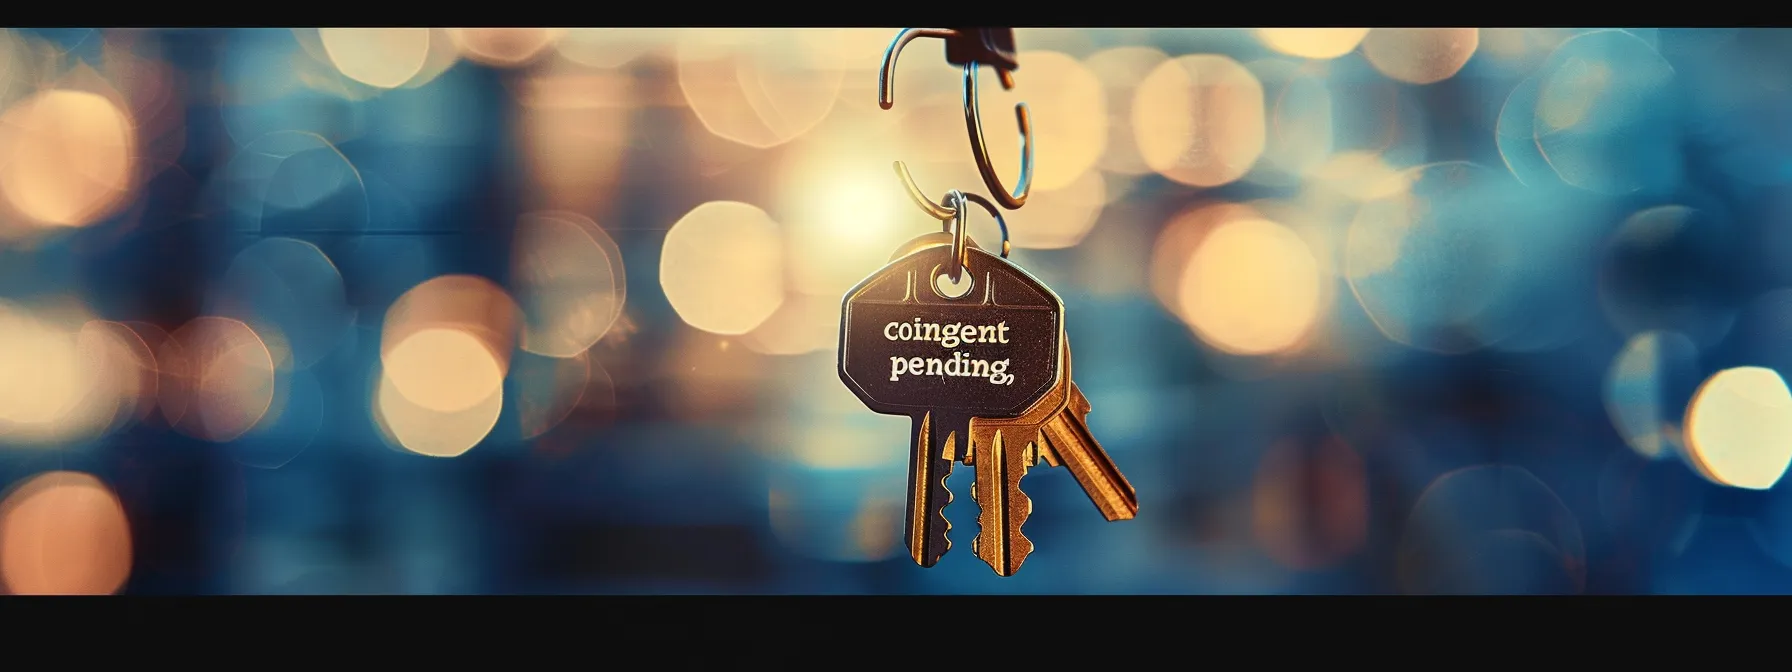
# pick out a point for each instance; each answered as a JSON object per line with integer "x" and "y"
{"x": 434, "y": 433}
{"x": 1059, "y": 218}
{"x": 503, "y": 47}
{"x": 1315, "y": 43}
{"x": 569, "y": 278}
{"x": 761, "y": 87}
{"x": 1739, "y": 428}
{"x": 722, "y": 267}
{"x": 63, "y": 382}
{"x": 1069, "y": 111}
{"x": 64, "y": 533}
{"x": 382, "y": 57}
{"x": 227, "y": 378}
{"x": 1251, "y": 288}
{"x": 67, "y": 158}
{"x": 443, "y": 370}
{"x": 1199, "y": 120}
{"x": 1420, "y": 55}
{"x": 468, "y": 304}
{"x": 1120, "y": 71}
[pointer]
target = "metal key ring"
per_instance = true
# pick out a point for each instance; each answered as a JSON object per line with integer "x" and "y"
{"x": 955, "y": 201}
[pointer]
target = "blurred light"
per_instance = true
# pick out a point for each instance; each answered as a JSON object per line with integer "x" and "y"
{"x": 1199, "y": 120}
{"x": 1315, "y": 43}
{"x": 444, "y": 351}
{"x": 1358, "y": 176}
{"x": 758, "y": 87}
{"x": 548, "y": 390}
{"x": 1311, "y": 505}
{"x": 67, "y": 158}
{"x": 131, "y": 360}
{"x": 468, "y": 327}
{"x": 297, "y": 417}
{"x": 569, "y": 278}
{"x": 1515, "y": 134}
{"x": 280, "y": 80}
{"x": 290, "y": 183}
{"x": 227, "y": 379}
{"x": 1059, "y": 218}
{"x": 1177, "y": 243}
{"x": 722, "y": 267}
{"x": 170, "y": 361}
{"x": 1603, "y": 116}
{"x": 1298, "y": 137}
{"x": 62, "y": 385}
{"x": 1069, "y": 111}
{"x": 1251, "y": 288}
{"x": 429, "y": 432}
{"x": 1492, "y": 529}
{"x": 382, "y": 57}
{"x": 804, "y": 323}
{"x": 611, "y": 47}
{"x": 1120, "y": 70}
{"x": 1428, "y": 262}
{"x": 1371, "y": 113}
{"x": 289, "y": 287}
{"x": 1420, "y": 55}
{"x": 1739, "y": 428}
{"x": 841, "y": 206}
{"x": 594, "y": 408}
{"x": 503, "y": 47}
{"x": 64, "y": 533}
{"x": 575, "y": 129}
{"x": 1639, "y": 391}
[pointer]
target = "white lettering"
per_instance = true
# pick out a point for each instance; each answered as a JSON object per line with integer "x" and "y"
{"x": 949, "y": 336}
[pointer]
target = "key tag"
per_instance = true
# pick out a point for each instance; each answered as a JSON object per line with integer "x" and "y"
{"x": 947, "y": 326}
{"x": 944, "y": 333}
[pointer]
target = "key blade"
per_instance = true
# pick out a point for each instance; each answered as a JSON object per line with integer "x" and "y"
{"x": 1076, "y": 448}
{"x": 926, "y": 529}
{"x": 1002, "y": 507}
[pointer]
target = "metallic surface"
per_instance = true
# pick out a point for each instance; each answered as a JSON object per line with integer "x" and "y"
{"x": 941, "y": 406}
{"x": 1068, "y": 442}
{"x": 1001, "y": 453}
{"x": 886, "y": 98}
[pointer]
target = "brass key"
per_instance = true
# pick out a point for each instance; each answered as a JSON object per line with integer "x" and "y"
{"x": 1068, "y": 442}
{"x": 1001, "y": 451}
{"x": 909, "y": 348}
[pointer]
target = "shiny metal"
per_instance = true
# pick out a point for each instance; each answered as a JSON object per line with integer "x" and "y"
{"x": 948, "y": 223}
{"x": 955, "y": 200}
{"x": 941, "y": 407}
{"x": 1002, "y": 450}
{"x": 973, "y": 121}
{"x": 1068, "y": 442}
{"x": 886, "y": 98}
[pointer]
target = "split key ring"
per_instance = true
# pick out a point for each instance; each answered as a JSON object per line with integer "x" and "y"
{"x": 955, "y": 201}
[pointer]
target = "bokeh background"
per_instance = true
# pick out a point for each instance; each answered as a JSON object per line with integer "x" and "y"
{"x": 428, "y": 310}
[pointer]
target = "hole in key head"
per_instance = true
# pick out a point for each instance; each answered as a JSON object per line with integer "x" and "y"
{"x": 943, "y": 285}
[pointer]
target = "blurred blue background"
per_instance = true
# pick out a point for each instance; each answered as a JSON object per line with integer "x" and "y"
{"x": 428, "y": 310}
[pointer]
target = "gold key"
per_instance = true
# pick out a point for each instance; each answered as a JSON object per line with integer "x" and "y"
{"x": 1068, "y": 442}
{"x": 1001, "y": 451}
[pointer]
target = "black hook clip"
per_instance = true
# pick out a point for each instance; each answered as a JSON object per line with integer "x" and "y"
{"x": 968, "y": 47}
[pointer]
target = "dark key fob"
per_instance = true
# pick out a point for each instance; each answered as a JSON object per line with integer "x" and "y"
{"x": 989, "y": 46}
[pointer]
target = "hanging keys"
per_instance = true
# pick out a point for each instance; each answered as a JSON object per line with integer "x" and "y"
{"x": 1069, "y": 443}
{"x": 911, "y": 345}
{"x": 1002, "y": 450}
